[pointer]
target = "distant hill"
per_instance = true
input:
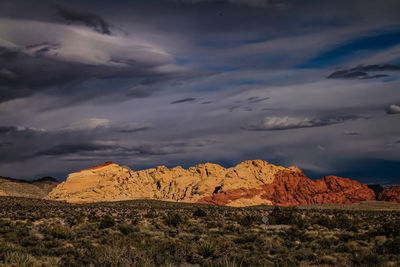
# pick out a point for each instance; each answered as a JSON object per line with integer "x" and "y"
{"x": 31, "y": 189}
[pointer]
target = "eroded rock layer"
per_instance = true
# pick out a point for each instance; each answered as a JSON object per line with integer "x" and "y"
{"x": 111, "y": 182}
{"x": 249, "y": 183}
{"x": 292, "y": 187}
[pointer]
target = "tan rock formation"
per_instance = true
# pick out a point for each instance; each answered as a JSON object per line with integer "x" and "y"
{"x": 110, "y": 182}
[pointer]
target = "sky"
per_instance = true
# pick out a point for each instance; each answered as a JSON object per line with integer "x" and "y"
{"x": 312, "y": 83}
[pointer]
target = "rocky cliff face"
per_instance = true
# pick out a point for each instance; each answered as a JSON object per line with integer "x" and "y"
{"x": 110, "y": 182}
{"x": 249, "y": 183}
{"x": 292, "y": 187}
{"x": 392, "y": 194}
{"x": 32, "y": 189}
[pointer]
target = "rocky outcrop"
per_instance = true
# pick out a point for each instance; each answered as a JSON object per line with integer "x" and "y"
{"x": 249, "y": 183}
{"x": 31, "y": 189}
{"x": 292, "y": 187}
{"x": 392, "y": 194}
{"x": 111, "y": 182}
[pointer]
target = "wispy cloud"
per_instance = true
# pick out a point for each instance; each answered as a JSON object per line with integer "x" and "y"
{"x": 363, "y": 72}
{"x": 353, "y": 133}
{"x": 184, "y": 100}
{"x": 134, "y": 127}
{"x": 256, "y": 99}
{"x": 393, "y": 109}
{"x": 88, "y": 124}
{"x": 287, "y": 123}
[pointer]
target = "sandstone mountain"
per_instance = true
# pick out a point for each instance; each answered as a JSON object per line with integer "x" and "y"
{"x": 32, "y": 189}
{"x": 249, "y": 183}
{"x": 294, "y": 188}
{"x": 392, "y": 194}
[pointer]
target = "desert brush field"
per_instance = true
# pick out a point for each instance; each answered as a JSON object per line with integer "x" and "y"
{"x": 36, "y": 232}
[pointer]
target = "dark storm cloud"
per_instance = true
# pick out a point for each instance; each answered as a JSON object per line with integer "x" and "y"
{"x": 92, "y": 150}
{"x": 24, "y": 143}
{"x": 257, "y": 99}
{"x": 141, "y": 90}
{"x": 184, "y": 100}
{"x": 7, "y": 129}
{"x": 83, "y": 17}
{"x": 16, "y": 142}
{"x": 37, "y": 73}
{"x": 287, "y": 123}
{"x": 25, "y": 74}
{"x": 42, "y": 48}
{"x": 41, "y": 55}
{"x": 85, "y": 140}
{"x": 250, "y": 3}
{"x": 72, "y": 149}
{"x": 7, "y": 75}
{"x": 133, "y": 128}
{"x": 19, "y": 130}
{"x": 368, "y": 169}
{"x": 363, "y": 72}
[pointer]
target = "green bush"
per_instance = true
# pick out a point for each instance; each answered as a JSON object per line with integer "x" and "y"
{"x": 61, "y": 232}
{"x": 106, "y": 222}
{"x": 199, "y": 213}
{"x": 289, "y": 216}
{"x": 248, "y": 220}
{"x": 365, "y": 257}
{"x": 116, "y": 254}
{"x": 226, "y": 262}
{"x": 126, "y": 228}
{"x": 174, "y": 219}
{"x": 390, "y": 228}
{"x": 207, "y": 249}
{"x": 16, "y": 258}
{"x": 390, "y": 246}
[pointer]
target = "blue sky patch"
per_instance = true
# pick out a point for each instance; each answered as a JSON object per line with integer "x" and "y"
{"x": 373, "y": 42}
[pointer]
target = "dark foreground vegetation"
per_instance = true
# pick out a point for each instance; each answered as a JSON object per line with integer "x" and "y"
{"x": 151, "y": 233}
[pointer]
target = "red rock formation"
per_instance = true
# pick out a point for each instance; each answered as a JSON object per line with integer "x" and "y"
{"x": 392, "y": 194}
{"x": 295, "y": 188}
{"x": 97, "y": 166}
